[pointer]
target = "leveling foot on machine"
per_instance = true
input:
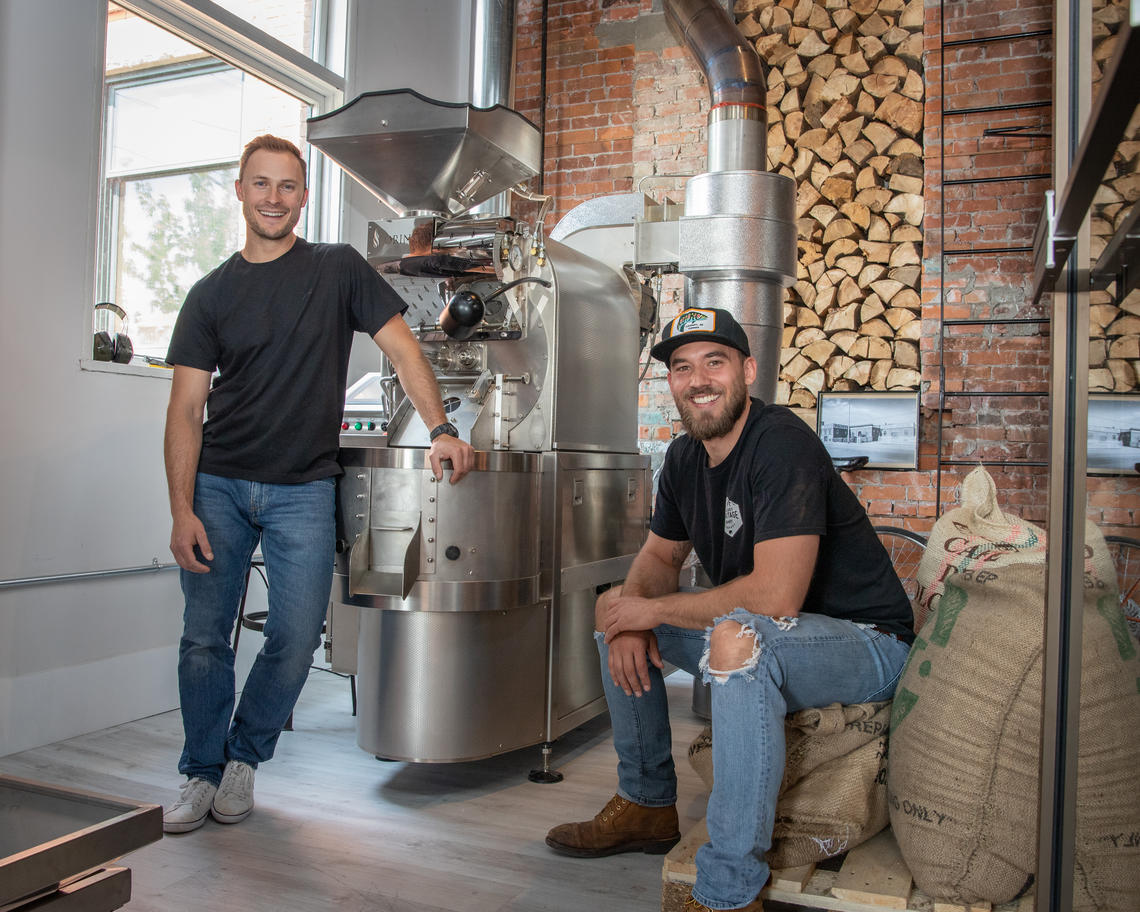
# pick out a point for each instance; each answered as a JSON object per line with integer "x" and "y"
{"x": 546, "y": 775}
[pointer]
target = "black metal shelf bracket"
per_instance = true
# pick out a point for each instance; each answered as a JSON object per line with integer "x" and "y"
{"x": 982, "y": 394}
{"x": 1008, "y": 36}
{"x": 1112, "y": 108}
{"x": 997, "y": 321}
{"x": 985, "y": 251}
{"x": 992, "y": 462}
{"x": 990, "y": 109}
{"x": 1119, "y": 262}
{"x": 1000, "y": 179}
{"x": 1022, "y": 131}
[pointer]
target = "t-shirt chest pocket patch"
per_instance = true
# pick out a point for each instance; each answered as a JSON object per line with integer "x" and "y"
{"x": 732, "y": 518}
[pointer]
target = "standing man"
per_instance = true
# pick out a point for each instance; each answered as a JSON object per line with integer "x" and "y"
{"x": 276, "y": 322}
{"x": 806, "y": 610}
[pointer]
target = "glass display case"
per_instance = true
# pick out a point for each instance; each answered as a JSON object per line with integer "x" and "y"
{"x": 57, "y": 846}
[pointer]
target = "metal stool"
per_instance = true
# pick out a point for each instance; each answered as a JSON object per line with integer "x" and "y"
{"x": 255, "y": 620}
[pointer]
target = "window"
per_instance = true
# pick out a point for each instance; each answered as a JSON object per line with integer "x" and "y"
{"x": 176, "y": 119}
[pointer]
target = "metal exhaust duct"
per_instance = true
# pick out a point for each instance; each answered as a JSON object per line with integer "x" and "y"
{"x": 492, "y": 67}
{"x": 737, "y": 239}
{"x": 738, "y": 89}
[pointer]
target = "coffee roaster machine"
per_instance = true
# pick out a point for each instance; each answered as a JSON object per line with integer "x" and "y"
{"x": 467, "y": 611}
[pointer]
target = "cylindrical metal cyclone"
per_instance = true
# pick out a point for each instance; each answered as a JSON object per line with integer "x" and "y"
{"x": 737, "y": 246}
{"x": 759, "y": 308}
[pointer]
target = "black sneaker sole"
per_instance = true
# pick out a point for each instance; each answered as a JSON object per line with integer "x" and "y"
{"x": 649, "y": 847}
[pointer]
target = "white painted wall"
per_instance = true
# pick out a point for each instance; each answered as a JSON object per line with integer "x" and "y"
{"x": 81, "y": 477}
{"x": 81, "y": 482}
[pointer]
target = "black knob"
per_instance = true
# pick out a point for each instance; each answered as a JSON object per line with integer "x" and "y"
{"x": 463, "y": 313}
{"x": 452, "y": 552}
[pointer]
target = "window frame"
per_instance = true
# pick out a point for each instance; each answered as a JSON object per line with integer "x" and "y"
{"x": 236, "y": 42}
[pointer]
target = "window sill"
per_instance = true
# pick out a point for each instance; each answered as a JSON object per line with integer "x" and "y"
{"x": 134, "y": 370}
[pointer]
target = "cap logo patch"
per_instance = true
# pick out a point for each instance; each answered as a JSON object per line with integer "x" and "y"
{"x": 694, "y": 321}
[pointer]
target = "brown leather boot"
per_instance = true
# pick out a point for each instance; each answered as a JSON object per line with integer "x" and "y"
{"x": 691, "y": 905}
{"x": 622, "y": 826}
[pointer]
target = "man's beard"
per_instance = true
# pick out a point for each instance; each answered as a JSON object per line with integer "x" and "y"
{"x": 717, "y": 424}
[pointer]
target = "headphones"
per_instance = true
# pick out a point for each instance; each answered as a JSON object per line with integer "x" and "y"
{"x": 108, "y": 347}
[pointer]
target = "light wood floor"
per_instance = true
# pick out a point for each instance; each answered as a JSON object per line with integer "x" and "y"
{"x": 335, "y": 829}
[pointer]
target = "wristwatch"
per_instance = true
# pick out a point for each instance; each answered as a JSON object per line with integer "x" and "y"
{"x": 446, "y": 428}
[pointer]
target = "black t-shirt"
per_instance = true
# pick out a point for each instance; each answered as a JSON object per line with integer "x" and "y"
{"x": 779, "y": 481}
{"x": 279, "y": 335}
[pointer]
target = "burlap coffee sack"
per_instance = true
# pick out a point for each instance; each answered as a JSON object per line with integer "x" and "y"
{"x": 1107, "y": 851}
{"x": 833, "y": 794}
{"x": 965, "y": 741}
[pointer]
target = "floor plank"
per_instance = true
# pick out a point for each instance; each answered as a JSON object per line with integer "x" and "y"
{"x": 336, "y": 829}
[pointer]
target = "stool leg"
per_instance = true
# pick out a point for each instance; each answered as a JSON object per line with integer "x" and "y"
{"x": 241, "y": 608}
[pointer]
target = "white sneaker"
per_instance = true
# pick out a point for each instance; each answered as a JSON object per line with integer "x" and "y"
{"x": 190, "y": 810}
{"x": 234, "y": 799}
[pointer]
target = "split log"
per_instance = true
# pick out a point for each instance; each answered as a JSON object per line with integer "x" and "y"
{"x": 901, "y": 378}
{"x": 841, "y": 318}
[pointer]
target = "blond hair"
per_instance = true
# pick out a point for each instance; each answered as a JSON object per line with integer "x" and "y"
{"x": 271, "y": 144}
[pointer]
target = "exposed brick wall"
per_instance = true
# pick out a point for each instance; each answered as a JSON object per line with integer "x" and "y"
{"x": 588, "y": 116}
{"x": 620, "y": 110}
{"x": 977, "y": 359}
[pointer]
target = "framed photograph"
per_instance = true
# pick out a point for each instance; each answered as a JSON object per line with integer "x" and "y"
{"x": 1114, "y": 434}
{"x": 880, "y": 426}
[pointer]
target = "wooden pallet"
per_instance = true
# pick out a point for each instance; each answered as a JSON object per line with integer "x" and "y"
{"x": 873, "y": 877}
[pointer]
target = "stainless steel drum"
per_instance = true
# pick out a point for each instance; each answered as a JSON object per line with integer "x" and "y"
{"x": 471, "y": 607}
{"x": 450, "y": 618}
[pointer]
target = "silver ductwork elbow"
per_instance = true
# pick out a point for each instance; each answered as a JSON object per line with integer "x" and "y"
{"x": 738, "y": 119}
{"x": 737, "y": 239}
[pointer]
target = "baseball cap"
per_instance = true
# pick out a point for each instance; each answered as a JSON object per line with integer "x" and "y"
{"x": 700, "y": 324}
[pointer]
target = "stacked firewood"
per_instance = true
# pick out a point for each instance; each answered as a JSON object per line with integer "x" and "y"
{"x": 845, "y": 114}
{"x": 1114, "y": 324}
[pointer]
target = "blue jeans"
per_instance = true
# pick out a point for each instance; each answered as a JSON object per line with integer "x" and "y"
{"x": 812, "y": 660}
{"x": 296, "y": 527}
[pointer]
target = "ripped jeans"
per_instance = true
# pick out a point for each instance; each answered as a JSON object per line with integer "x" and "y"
{"x": 813, "y": 660}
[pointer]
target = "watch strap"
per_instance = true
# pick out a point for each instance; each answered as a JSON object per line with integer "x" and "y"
{"x": 446, "y": 428}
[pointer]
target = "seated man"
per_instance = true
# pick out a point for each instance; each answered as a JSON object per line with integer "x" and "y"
{"x": 806, "y": 610}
